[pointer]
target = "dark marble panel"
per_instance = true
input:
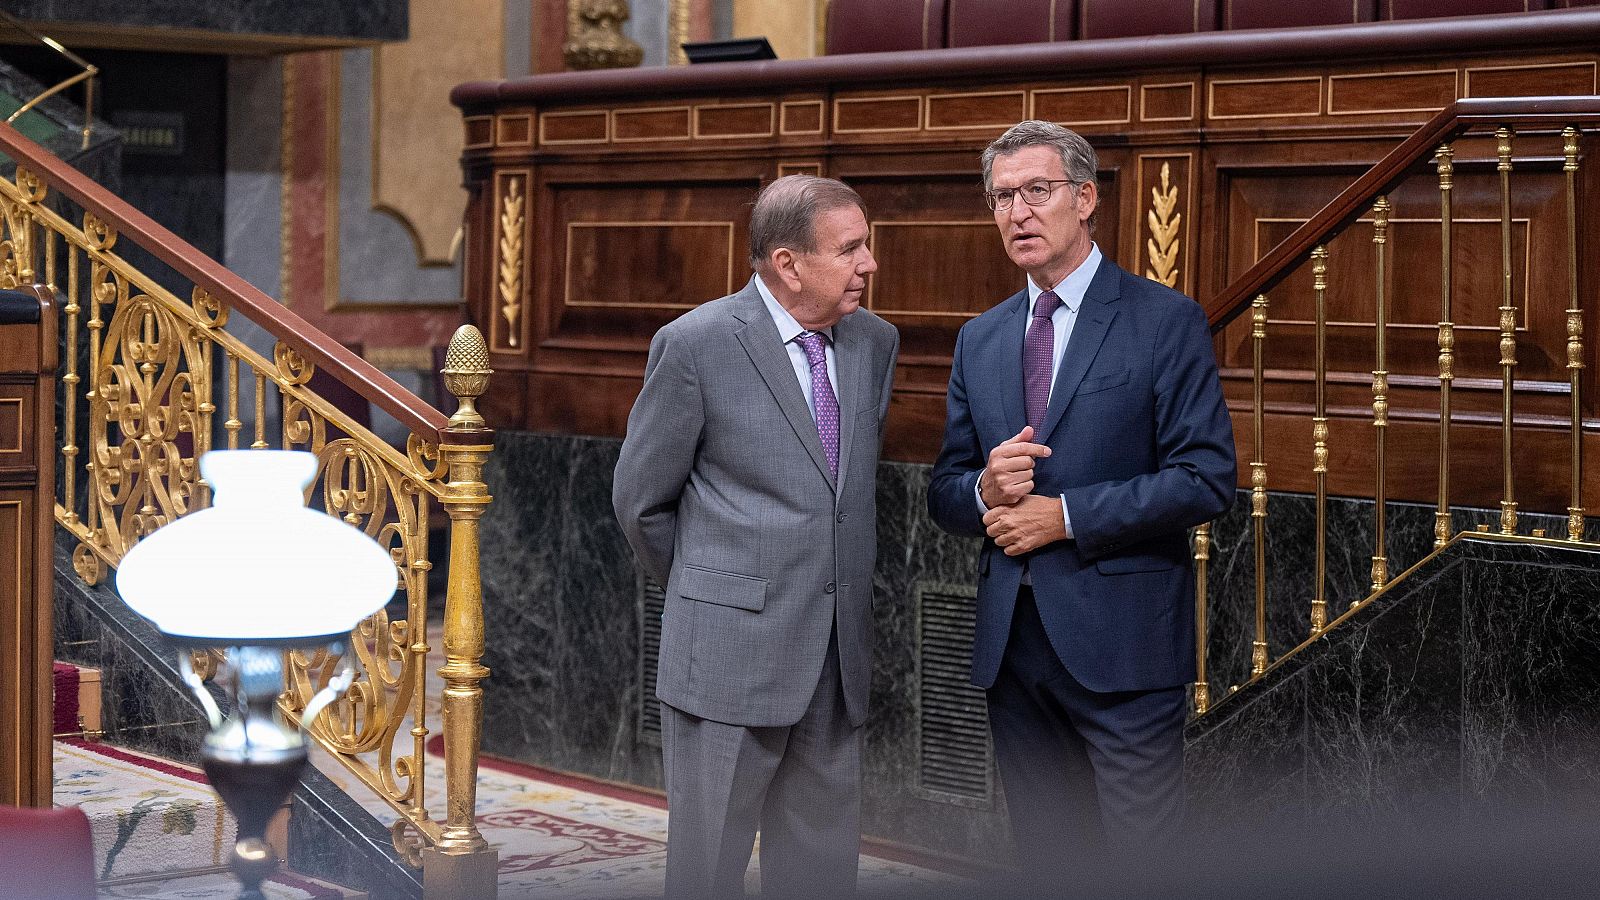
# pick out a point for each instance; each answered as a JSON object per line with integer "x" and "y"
{"x": 1245, "y": 769}
{"x": 333, "y": 838}
{"x": 384, "y": 20}
{"x": 1384, "y": 712}
{"x": 914, "y": 554}
{"x": 1531, "y": 672}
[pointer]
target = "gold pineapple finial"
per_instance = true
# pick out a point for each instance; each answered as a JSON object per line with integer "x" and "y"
{"x": 466, "y": 374}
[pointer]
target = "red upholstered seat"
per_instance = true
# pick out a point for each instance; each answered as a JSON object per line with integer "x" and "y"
{"x": 866, "y": 26}
{"x": 46, "y": 854}
{"x": 1278, "y": 14}
{"x": 983, "y": 23}
{"x": 1429, "y": 9}
{"x": 1121, "y": 18}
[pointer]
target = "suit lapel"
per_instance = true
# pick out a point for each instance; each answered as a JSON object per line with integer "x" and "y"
{"x": 1088, "y": 333}
{"x": 1013, "y": 333}
{"x": 759, "y": 337}
{"x": 850, "y": 360}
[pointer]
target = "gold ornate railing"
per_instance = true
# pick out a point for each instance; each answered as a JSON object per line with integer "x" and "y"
{"x": 152, "y": 380}
{"x": 1548, "y": 131}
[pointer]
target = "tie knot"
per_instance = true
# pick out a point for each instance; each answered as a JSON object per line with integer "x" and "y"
{"x": 1046, "y": 305}
{"x": 813, "y": 343}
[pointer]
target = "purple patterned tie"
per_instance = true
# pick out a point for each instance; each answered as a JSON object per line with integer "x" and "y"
{"x": 822, "y": 398}
{"x": 1038, "y": 355}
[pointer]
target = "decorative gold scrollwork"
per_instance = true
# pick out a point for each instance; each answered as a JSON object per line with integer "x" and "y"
{"x": 292, "y": 367}
{"x": 1165, "y": 220}
{"x": 144, "y": 415}
{"x": 87, "y": 564}
{"x": 100, "y": 235}
{"x": 33, "y": 188}
{"x": 425, "y": 456}
{"x": 210, "y": 310}
{"x": 511, "y": 258}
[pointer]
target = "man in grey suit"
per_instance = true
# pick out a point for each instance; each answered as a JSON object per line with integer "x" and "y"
{"x": 746, "y": 485}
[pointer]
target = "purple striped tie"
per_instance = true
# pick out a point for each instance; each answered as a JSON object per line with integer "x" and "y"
{"x": 1038, "y": 355}
{"x": 822, "y": 397}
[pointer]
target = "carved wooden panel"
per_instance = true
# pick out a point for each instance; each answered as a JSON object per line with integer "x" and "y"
{"x": 637, "y": 207}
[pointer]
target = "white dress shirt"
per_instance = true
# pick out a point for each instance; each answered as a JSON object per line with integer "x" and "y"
{"x": 1070, "y": 291}
{"x": 788, "y": 330}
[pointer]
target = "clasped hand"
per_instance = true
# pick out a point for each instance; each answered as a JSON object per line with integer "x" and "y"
{"x": 1018, "y": 520}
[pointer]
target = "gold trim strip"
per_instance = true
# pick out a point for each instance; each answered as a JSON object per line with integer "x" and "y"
{"x": 1211, "y": 98}
{"x": 1193, "y": 98}
{"x": 772, "y": 117}
{"x": 605, "y": 127}
{"x": 1127, "y": 103}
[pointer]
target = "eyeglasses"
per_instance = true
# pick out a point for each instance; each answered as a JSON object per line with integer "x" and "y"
{"x": 1034, "y": 193}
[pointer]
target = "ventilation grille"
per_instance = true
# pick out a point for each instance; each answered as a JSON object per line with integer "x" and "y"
{"x": 652, "y": 602}
{"x": 955, "y": 757}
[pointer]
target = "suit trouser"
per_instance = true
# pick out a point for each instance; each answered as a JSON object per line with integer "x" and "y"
{"x": 799, "y": 784}
{"x": 1082, "y": 769}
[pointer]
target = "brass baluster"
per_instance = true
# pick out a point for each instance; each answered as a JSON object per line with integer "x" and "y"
{"x": 232, "y": 424}
{"x": 462, "y": 858}
{"x": 1508, "y": 336}
{"x": 1202, "y": 555}
{"x": 1258, "y": 490}
{"x": 417, "y": 620}
{"x": 1447, "y": 340}
{"x": 260, "y": 443}
{"x": 1380, "y": 394}
{"x": 95, "y": 326}
{"x": 1319, "y": 437}
{"x": 1569, "y": 145}
{"x": 69, "y": 413}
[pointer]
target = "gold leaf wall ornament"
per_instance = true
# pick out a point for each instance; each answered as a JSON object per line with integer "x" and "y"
{"x": 594, "y": 36}
{"x": 511, "y": 209}
{"x": 1165, "y": 220}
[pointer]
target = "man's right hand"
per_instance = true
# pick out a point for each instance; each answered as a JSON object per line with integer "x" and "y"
{"x": 1009, "y": 476}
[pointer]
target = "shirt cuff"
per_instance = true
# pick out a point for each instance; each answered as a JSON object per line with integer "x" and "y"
{"x": 1066, "y": 517}
{"x": 977, "y": 493}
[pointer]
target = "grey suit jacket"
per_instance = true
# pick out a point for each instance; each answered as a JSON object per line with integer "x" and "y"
{"x": 724, "y": 493}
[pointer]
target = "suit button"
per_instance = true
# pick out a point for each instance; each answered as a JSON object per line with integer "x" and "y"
{"x": 842, "y": 516}
{"x": 827, "y": 588}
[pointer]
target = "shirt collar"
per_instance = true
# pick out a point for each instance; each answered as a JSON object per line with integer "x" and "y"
{"x": 788, "y": 328}
{"x": 1071, "y": 288}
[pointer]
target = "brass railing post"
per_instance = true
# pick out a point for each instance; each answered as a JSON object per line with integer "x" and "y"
{"x": 1319, "y": 437}
{"x": 461, "y": 864}
{"x": 1447, "y": 342}
{"x": 1380, "y": 395}
{"x": 1258, "y": 490}
{"x": 1202, "y": 554}
{"x": 1569, "y": 144}
{"x": 1508, "y": 336}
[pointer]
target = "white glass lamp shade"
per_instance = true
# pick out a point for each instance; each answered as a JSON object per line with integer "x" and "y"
{"x": 258, "y": 566}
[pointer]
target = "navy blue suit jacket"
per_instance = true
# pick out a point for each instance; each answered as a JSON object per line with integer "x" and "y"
{"x": 1142, "y": 449}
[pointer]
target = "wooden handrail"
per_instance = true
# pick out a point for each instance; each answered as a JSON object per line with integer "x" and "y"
{"x": 1398, "y": 165}
{"x": 234, "y": 292}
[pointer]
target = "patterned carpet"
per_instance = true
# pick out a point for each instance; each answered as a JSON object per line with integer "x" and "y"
{"x": 574, "y": 839}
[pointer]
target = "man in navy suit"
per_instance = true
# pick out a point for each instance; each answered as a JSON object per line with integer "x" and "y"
{"x": 1086, "y": 434}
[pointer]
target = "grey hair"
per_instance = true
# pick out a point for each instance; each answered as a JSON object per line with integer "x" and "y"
{"x": 1077, "y": 157}
{"x": 786, "y": 212}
